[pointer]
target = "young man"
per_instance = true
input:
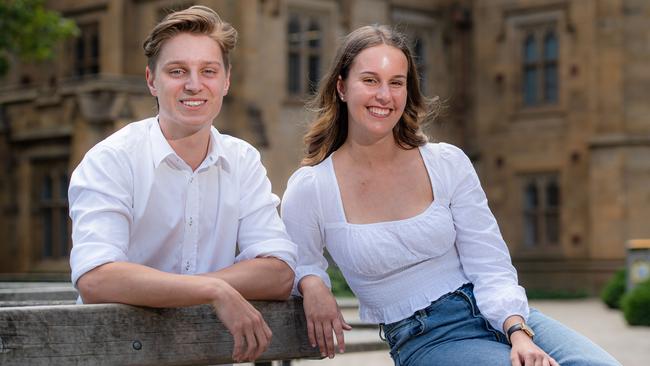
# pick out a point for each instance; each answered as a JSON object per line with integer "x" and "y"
{"x": 159, "y": 207}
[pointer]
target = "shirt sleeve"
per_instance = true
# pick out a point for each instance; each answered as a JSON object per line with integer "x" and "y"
{"x": 101, "y": 209}
{"x": 300, "y": 213}
{"x": 483, "y": 253}
{"x": 261, "y": 232}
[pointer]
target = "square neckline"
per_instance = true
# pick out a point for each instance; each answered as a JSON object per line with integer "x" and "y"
{"x": 341, "y": 209}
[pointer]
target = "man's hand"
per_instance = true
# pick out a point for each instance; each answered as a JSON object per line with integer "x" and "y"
{"x": 323, "y": 316}
{"x": 250, "y": 332}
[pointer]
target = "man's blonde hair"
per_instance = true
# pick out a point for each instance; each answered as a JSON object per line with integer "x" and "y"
{"x": 197, "y": 19}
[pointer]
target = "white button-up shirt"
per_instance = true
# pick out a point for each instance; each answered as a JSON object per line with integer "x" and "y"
{"x": 133, "y": 199}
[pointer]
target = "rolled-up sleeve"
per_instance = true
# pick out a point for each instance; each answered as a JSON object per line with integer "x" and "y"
{"x": 300, "y": 213}
{"x": 483, "y": 253}
{"x": 261, "y": 231}
{"x": 101, "y": 202}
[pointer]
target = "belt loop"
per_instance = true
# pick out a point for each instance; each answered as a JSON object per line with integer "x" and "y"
{"x": 382, "y": 335}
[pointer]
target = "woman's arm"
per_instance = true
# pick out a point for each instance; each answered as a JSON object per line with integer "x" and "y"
{"x": 302, "y": 218}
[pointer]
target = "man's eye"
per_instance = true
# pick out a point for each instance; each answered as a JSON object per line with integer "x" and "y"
{"x": 210, "y": 71}
{"x": 176, "y": 72}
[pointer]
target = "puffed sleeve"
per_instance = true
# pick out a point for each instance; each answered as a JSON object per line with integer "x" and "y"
{"x": 261, "y": 232}
{"x": 302, "y": 217}
{"x": 101, "y": 209}
{"x": 483, "y": 253}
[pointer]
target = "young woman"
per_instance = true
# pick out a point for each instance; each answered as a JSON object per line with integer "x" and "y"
{"x": 408, "y": 224}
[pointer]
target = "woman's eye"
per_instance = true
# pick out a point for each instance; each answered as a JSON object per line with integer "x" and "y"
{"x": 397, "y": 83}
{"x": 370, "y": 81}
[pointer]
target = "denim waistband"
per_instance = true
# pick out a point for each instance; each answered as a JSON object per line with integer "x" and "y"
{"x": 466, "y": 289}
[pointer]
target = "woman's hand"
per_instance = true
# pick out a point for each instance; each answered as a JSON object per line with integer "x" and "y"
{"x": 526, "y": 353}
{"x": 323, "y": 316}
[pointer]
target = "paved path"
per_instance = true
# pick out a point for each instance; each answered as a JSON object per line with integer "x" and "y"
{"x": 607, "y": 328}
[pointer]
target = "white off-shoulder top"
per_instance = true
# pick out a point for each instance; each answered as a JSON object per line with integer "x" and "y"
{"x": 398, "y": 267}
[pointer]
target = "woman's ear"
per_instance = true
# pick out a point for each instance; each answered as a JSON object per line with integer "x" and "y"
{"x": 340, "y": 88}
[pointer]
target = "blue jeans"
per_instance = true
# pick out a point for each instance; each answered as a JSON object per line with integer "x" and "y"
{"x": 452, "y": 331}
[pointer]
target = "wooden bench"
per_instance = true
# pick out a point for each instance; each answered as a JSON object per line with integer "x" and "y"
{"x": 115, "y": 334}
{"x": 40, "y": 327}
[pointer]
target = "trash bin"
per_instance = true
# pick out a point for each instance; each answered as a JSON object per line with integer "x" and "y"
{"x": 638, "y": 262}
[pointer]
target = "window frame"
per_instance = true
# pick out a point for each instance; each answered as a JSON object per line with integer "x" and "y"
{"x": 541, "y": 211}
{"x": 306, "y": 53}
{"x": 519, "y": 24}
{"x": 56, "y": 205}
{"x": 88, "y": 65}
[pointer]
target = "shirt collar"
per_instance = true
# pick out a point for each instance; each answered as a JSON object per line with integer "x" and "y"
{"x": 161, "y": 149}
{"x": 216, "y": 152}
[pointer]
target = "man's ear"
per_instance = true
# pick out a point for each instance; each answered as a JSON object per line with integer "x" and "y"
{"x": 340, "y": 88}
{"x": 226, "y": 85}
{"x": 150, "y": 78}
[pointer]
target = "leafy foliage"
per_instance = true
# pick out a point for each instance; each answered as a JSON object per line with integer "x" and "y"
{"x": 30, "y": 31}
{"x": 543, "y": 294}
{"x": 340, "y": 287}
{"x": 614, "y": 289}
{"x": 636, "y": 304}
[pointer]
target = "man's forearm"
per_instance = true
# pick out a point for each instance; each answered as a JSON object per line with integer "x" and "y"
{"x": 135, "y": 284}
{"x": 258, "y": 278}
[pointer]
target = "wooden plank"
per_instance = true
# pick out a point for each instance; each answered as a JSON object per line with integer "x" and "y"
{"x": 116, "y": 334}
{"x": 8, "y": 304}
{"x": 51, "y": 293}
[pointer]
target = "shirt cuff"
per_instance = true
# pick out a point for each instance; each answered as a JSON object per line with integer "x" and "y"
{"x": 87, "y": 256}
{"x": 512, "y": 302}
{"x": 284, "y": 250}
{"x": 302, "y": 271}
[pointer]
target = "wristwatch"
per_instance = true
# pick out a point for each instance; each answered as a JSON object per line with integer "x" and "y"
{"x": 520, "y": 326}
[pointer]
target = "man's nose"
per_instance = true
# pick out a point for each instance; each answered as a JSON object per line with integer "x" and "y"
{"x": 193, "y": 82}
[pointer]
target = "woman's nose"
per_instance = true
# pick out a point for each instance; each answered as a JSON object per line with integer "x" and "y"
{"x": 383, "y": 93}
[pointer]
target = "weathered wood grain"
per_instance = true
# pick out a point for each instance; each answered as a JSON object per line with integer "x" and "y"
{"x": 8, "y": 304}
{"x": 115, "y": 334}
{"x": 49, "y": 293}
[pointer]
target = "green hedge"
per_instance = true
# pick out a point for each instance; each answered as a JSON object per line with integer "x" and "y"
{"x": 614, "y": 289}
{"x": 636, "y": 304}
{"x": 340, "y": 287}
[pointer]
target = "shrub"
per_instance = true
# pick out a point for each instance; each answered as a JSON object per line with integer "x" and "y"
{"x": 545, "y": 294}
{"x": 614, "y": 289}
{"x": 636, "y": 304}
{"x": 339, "y": 285}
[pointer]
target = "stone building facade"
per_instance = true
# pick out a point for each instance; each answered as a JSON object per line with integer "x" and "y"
{"x": 548, "y": 97}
